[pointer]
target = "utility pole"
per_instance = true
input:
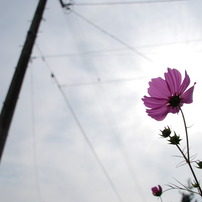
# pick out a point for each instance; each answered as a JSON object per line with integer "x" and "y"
{"x": 17, "y": 80}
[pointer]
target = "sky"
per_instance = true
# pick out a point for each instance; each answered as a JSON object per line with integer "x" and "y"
{"x": 80, "y": 132}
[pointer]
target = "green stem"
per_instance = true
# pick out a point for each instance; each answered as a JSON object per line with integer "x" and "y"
{"x": 186, "y": 132}
{"x": 187, "y": 159}
{"x": 161, "y": 199}
{"x": 184, "y": 156}
{"x": 192, "y": 171}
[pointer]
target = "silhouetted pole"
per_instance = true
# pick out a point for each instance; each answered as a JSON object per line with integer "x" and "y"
{"x": 16, "y": 83}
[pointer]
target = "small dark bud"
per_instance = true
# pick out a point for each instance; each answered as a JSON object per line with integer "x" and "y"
{"x": 199, "y": 164}
{"x": 175, "y": 139}
{"x": 166, "y": 132}
{"x": 195, "y": 185}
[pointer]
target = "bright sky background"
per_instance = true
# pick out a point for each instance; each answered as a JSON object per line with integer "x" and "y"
{"x": 83, "y": 135}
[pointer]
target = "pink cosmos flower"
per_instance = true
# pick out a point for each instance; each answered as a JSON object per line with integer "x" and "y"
{"x": 157, "y": 191}
{"x": 167, "y": 96}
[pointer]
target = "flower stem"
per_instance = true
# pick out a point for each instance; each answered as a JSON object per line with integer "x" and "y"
{"x": 192, "y": 171}
{"x": 187, "y": 159}
{"x": 186, "y": 132}
{"x": 161, "y": 199}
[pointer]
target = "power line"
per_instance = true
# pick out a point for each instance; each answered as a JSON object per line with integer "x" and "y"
{"x": 120, "y": 3}
{"x": 34, "y": 138}
{"x": 110, "y": 121}
{"x": 94, "y": 52}
{"x": 87, "y": 139}
{"x": 112, "y": 36}
{"x": 119, "y": 140}
{"x": 99, "y": 81}
{"x": 101, "y": 95}
{"x": 114, "y": 129}
{"x": 82, "y": 130}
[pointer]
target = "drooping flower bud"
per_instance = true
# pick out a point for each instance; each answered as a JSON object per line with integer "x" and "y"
{"x": 157, "y": 191}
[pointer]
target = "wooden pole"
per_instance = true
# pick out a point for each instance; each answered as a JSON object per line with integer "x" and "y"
{"x": 17, "y": 80}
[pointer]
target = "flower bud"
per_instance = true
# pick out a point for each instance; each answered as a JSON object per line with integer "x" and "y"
{"x": 157, "y": 191}
{"x": 166, "y": 132}
{"x": 175, "y": 139}
{"x": 199, "y": 163}
{"x": 195, "y": 185}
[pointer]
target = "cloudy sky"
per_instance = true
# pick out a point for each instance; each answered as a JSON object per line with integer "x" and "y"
{"x": 80, "y": 132}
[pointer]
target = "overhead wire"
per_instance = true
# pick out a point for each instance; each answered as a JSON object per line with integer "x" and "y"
{"x": 115, "y": 130}
{"x": 36, "y": 172}
{"x": 68, "y": 7}
{"x": 100, "y": 94}
{"x": 81, "y": 128}
{"x": 111, "y": 36}
{"x": 81, "y": 53}
{"x": 84, "y": 38}
{"x": 76, "y": 22}
{"x": 100, "y": 81}
{"x": 123, "y": 3}
{"x": 105, "y": 51}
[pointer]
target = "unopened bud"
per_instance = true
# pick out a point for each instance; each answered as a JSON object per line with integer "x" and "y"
{"x": 157, "y": 191}
{"x": 175, "y": 139}
{"x": 166, "y": 132}
{"x": 199, "y": 164}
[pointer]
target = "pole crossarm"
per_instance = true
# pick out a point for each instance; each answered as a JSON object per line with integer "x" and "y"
{"x": 65, "y": 5}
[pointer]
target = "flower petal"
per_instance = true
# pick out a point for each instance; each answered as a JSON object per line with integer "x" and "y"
{"x": 152, "y": 102}
{"x": 158, "y": 113}
{"x": 158, "y": 88}
{"x": 184, "y": 84}
{"x": 173, "y": 79}
{"x": 187, "y": 97}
